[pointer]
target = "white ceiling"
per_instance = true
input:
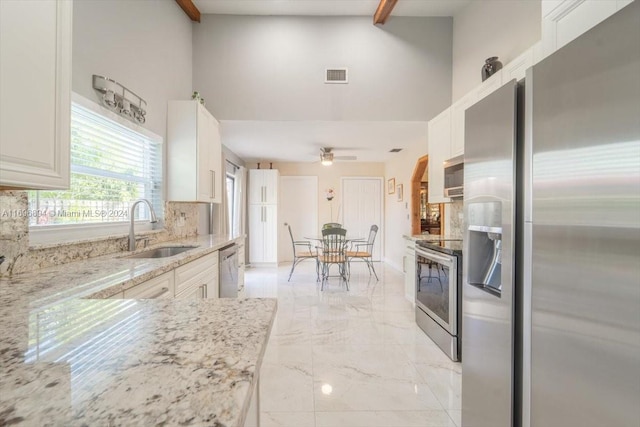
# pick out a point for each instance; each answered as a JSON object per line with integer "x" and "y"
{"x": 300, "y": 141}
{"x": 329, "y": 7}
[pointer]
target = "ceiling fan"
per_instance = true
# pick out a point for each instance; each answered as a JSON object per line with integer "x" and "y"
{"x": 327, "y": 157}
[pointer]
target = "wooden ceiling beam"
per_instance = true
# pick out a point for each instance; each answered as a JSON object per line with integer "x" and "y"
{"x": 384, "y": 10}
{"x": 190, "y": 9}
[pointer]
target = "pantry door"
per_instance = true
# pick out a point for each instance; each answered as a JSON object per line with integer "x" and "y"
{"x": 361, "y": 206}
{"x": 298, "y": 208}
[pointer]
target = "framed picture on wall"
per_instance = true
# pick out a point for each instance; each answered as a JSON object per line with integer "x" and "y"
{"x": 399, "y": 192}
{"x": 391, "y": 186}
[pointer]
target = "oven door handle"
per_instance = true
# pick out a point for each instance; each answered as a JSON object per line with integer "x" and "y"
{"x": 433, "y": 256}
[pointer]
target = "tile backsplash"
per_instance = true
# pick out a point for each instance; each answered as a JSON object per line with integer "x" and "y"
{"x": 456, "y": 218}
{"x": 180, "y": 220}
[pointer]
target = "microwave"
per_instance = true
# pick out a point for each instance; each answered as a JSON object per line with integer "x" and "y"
{"x": 454, "y": 177}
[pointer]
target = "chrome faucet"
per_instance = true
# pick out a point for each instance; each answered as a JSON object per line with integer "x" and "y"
{"x": 132, "y": 235}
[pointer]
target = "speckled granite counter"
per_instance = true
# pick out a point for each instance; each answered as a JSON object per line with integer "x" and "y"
{"x": 66, "y": 360}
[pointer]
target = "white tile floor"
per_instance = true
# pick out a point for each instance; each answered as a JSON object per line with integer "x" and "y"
{"x": 350, "y": 359}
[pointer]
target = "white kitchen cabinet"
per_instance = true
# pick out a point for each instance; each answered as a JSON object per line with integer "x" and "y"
{"x": 263, "y": 234}
{"x": 565, "y": 20}
{"x": 516, "y": 68}
{"x": 159, "y": 287}
{"x": 457, "y": 121}
{"x": 194, "y": 154}
{"x": 439, "y": 130}
{"x": 263, "y": 186}
{"x": 35, "y": 83}
{"x": 263, "y": 215}
{"x": 409, "y": 264}
{"x": 198, "y": 279}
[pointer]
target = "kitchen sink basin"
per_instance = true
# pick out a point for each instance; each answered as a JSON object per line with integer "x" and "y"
{"x": 162, "y": 252}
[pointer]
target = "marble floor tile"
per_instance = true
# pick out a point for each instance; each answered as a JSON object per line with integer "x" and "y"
{"x": 445, "y": 383}
{"x": 356, "y": 358}
{"x": 343, "y": 394}
{"x": 287, "y": 419}
{"x": 432, "y": 418}
{"x": 456, "y": 416}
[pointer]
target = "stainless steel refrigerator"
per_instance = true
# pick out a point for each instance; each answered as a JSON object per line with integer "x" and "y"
{"x": 551, "y": 274}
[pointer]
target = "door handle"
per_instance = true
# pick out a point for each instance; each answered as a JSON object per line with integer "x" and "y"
{"x": 212, "y": 193}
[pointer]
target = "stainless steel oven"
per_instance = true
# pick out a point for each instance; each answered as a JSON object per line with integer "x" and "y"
{"x": 438, "y": 295}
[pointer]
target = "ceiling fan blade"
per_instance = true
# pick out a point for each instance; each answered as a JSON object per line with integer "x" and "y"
{"x": 345, "y": 157}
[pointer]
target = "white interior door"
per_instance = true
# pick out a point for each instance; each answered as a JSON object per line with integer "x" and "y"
{"x": 361, "y": 208}
{"x": 298, "y": 208}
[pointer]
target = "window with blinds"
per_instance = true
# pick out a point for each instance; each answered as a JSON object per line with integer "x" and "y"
{"x": 111, "y": 167}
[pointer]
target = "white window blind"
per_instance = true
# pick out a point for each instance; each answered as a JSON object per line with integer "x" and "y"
{"x": 111, "y": 167}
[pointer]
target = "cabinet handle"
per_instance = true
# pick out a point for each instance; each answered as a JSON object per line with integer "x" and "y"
{"x": 159, "y": 294}
{"x": 213, "y": 184}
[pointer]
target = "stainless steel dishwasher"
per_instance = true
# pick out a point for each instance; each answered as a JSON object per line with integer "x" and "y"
{"x": 228, "y": 274}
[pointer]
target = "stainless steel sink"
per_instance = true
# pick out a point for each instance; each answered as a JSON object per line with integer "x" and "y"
{"x": 162, "y": 252}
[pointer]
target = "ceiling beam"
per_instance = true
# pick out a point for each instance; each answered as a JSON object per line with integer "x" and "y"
{"x": 384, "y": 10}
{"x": 190, "y": 9}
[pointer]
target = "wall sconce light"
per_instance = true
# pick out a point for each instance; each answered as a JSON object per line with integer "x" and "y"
{"x": 121, "y": 100}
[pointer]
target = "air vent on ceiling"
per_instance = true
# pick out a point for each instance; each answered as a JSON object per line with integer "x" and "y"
{"x": 336, "y": 75}
{"x": 395, "y": 150}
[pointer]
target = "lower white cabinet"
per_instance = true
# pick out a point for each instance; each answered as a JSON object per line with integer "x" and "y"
{"x": 409, "y": 264}
{"x": 263, "y": 234}
{"x": 198, "y": 279}
{"x": 158, "y": 287}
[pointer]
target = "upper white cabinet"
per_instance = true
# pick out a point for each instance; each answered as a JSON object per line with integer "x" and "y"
{"x": 263, "y": 186}
{"x": 439, "y": 131}
{"x": 194, "y": 154}
{"x": 457, "y": 122}
{"x": 35, "y": 88}
{"x": 565, "y": 20}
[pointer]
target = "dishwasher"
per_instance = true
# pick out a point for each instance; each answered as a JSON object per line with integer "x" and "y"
{"x": 228, "y": 274}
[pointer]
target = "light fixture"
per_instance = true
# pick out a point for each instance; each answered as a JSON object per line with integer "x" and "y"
{"x": 326, "y": 156}
{"x": 326, "y": 159}
{"x": 327, "y": 389}
{"x": 119, "y": 99}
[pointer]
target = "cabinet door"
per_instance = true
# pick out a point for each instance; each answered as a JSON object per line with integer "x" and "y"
{"x": 35, "y": 83}
{"x": 241, "y": 265}
{"x": 270, "y": 233}
{"x": 256, "y": 233}
{"x": 457, "y": 121}
{"x": 410, "y": 272}
{"x": 205, "y": 174}
{"x": 439, "y": 151}
{"x": 158, "y": 287}
{"x": 193, "y": 292}
{"x": 215, "y": 157}
{"x": 212, "y": 287}
{"x": 256, "y": 186}
{"x": 271, "y": 184}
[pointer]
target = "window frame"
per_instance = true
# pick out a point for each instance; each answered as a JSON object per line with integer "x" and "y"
{"x": 69, "y": 233}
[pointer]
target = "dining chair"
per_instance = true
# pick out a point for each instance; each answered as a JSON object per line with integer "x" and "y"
{"x": 302, "y": 250}
{"x": 334, "y": 242}
{"x": 364, "y": 251}
{"x": 331, "y": 225}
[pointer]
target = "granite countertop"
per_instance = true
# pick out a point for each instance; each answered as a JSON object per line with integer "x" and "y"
{"x": 70, "y": 360}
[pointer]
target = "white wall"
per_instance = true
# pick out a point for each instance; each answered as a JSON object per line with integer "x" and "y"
{"x": 328, "y": 177}
{"x": 145, "y": 45}
{"x": 398, "y": 214}
{"x": 272, "y": 67}
{"x": 503, "y": 28}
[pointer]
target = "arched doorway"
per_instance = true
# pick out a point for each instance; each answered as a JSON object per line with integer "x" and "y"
{"x": 419, "y": 199}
